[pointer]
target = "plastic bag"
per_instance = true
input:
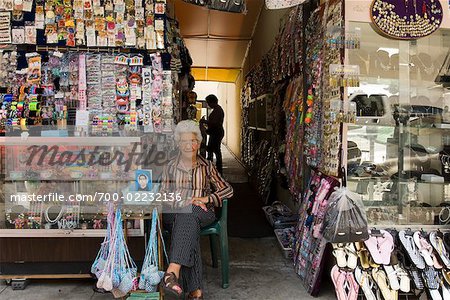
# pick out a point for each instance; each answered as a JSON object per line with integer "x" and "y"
{"x": 345, "y": 220}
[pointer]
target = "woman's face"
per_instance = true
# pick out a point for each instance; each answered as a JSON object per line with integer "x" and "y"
{"x": 188, "y": 145}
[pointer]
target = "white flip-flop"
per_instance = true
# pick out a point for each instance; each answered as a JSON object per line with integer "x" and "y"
{"x": 405, "y": 282}
{"x": 366, "y": 283}
{"x": 445, "y": 290}
{"x": 352, "y": 256}
{"x": 340, "y": 254}
{"x": 393, "y": 277}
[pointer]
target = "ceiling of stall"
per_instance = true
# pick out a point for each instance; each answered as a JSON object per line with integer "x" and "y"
{"x": 215, "y": 39}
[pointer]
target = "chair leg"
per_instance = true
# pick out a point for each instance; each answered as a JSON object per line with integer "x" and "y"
{"x": 224, "y": 258}
{"x": 213, "y": 245}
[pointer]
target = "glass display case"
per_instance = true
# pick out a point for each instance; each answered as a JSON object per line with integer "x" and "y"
{"x": 59, "y": 186}
{"x": 398, "y": 150}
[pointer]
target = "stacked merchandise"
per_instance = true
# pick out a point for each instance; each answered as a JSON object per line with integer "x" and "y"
{"x": 392, "y": 263}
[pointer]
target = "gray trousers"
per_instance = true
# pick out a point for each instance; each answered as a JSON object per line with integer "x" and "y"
{"x": 185, "y": 244}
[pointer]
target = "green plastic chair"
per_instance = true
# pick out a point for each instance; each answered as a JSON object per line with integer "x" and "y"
{"x": 218, "y": 229}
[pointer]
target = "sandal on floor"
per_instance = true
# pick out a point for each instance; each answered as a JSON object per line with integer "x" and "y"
{"x": 170, "y": 286}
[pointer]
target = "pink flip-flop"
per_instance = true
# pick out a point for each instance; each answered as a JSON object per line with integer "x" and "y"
{"x": 338, "y": 278}
{"x": 380, "y": 247}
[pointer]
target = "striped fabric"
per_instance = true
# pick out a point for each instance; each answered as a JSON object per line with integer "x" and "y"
{"x": 201, "y": 181}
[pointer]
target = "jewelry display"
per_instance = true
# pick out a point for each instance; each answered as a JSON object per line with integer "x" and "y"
{"x": 403, "y": 20}
{"x": 53, "y": 221}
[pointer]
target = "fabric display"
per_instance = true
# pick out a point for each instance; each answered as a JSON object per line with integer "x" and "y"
{"x": 391, "y": 263}
{"x": 309, "y": 246}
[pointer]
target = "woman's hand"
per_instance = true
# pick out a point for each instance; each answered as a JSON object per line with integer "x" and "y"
{"x": 200, "y": 202}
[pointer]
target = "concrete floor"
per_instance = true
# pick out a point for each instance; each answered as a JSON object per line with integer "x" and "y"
{"x": 258, "y": 270}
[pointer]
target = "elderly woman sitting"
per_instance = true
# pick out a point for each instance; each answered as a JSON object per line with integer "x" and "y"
{"x": 201, "y": 188}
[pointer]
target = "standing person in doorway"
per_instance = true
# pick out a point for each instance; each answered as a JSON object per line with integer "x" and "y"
{"x": 215, "y": 131}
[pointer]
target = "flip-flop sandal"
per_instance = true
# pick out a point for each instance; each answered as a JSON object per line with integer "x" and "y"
{"x": 170, "y": 284}
{"x": 380, "y": 248}
{"x": 352, "y": 257}
{"x": 365, "y": 281}
{"x": 431, "y": 278}
{"x": 338, "y": 279}
{"x": 392, "y": 277}
{"x": 381, "y": 279}
{"x": 353, "y": 286}
{"x": 340, "y": 254}
{"x": 446, "y": 275}
{"x": 405, "y": 282}
{"x": 425, "y": 249}
{"x": 438, "y": 245}
{"x": 435, "y": 295}
{"x": 410, "y": 246}
{"x": 363, "y": 255}
{"x": 417, "y": 279}
{"x": 445, "y": 290}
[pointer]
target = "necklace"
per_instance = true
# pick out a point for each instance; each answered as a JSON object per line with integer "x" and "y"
{"x": 441, "y": 214}
{"x": 47, "y": 218}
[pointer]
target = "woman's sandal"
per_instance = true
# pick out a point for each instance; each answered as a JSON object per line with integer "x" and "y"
{"x": 170, "y": 286}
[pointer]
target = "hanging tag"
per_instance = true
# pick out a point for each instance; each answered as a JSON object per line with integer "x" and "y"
{"x": 18, "y": 35}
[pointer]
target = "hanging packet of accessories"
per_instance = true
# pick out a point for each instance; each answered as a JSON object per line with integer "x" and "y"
{"x": 345, "y": 220}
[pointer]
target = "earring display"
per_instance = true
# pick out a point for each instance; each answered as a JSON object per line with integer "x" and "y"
{"x": 409, "y": 19}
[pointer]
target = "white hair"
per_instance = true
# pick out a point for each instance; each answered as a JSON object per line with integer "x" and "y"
{"x": 187, "y": 126}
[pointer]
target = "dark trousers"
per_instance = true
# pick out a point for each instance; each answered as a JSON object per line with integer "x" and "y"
{"x": 185, "y": 244}
{"x": 214, "y": 143}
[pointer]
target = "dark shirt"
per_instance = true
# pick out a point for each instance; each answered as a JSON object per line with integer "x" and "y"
{"x": 215, "y": 121}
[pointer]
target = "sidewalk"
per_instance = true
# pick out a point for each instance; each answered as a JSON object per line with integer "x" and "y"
{"x": 257, "y": 271}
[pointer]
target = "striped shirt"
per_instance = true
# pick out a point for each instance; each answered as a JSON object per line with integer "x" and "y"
{"x": 202, "y": 180}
